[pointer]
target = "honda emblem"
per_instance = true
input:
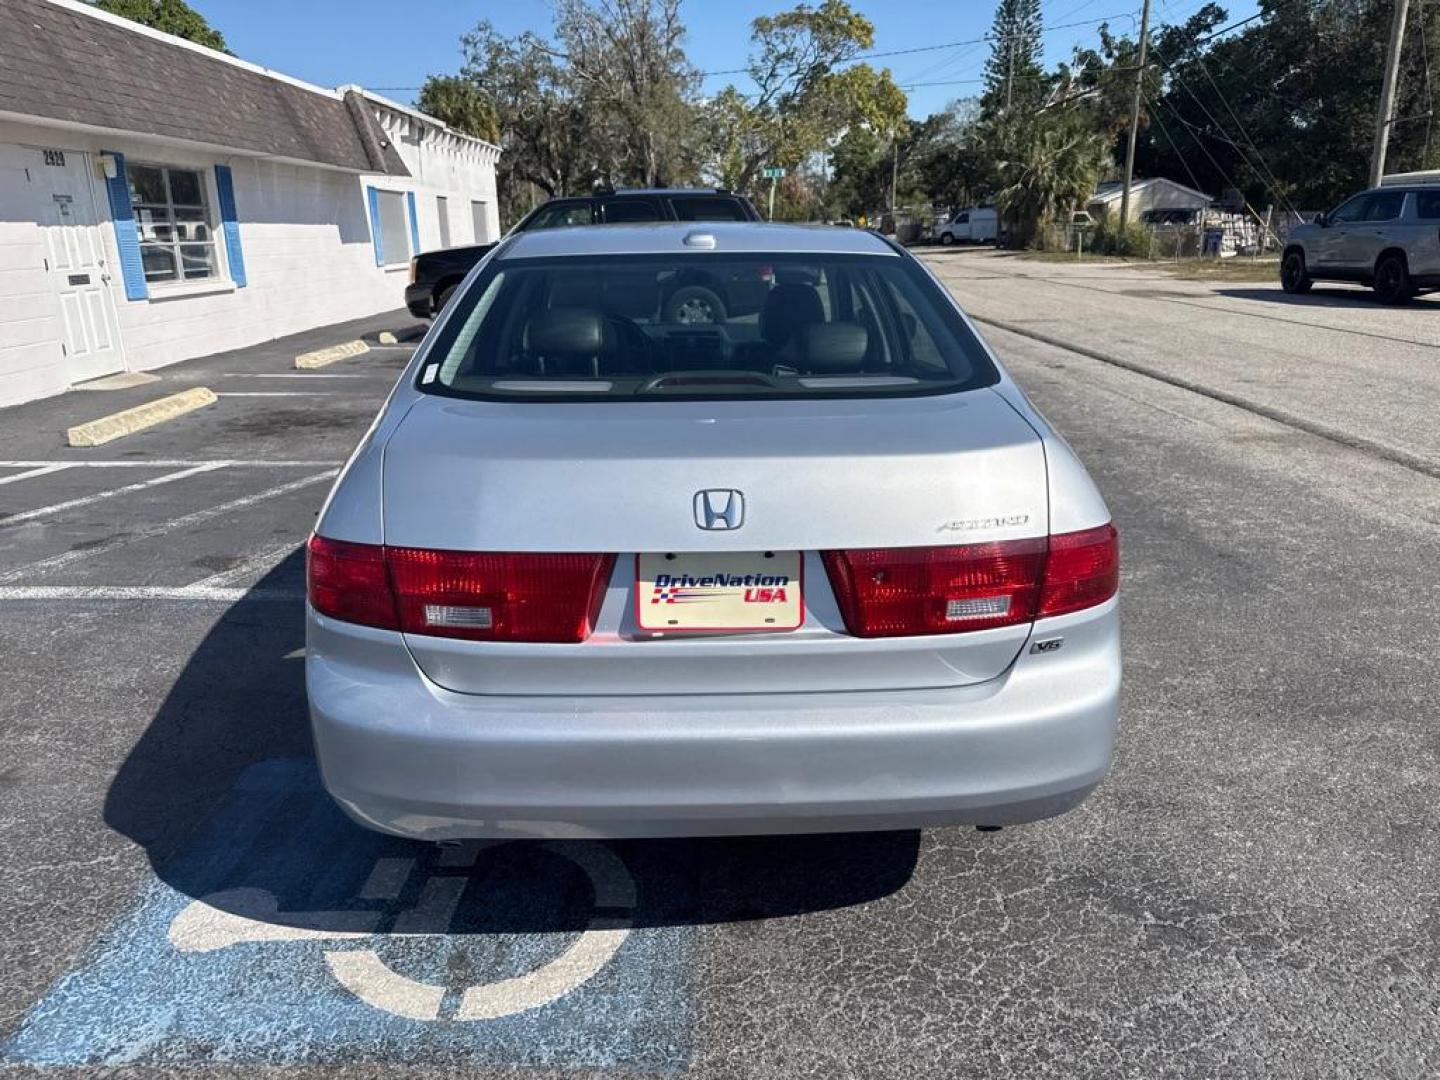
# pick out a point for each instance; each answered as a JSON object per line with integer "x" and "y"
{"x": 719, "y": 508}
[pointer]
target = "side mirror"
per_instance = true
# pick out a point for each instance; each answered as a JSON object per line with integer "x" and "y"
{"x": 1322, "y": 220}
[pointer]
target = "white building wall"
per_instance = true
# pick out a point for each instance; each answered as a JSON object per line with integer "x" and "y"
{"x": 30, "y": 356}
{"x": 305, "y": 236}
{"x": 442, "y": 163}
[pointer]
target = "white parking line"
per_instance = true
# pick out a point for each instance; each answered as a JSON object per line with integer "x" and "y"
{"x": 43, "y": 470}
{"x": 145, "y": 592}
{"x": 163, "y": 463}
{"x": 275, "y": 393}
{"x": 86, "y": 500}
{"x": 291, "y": 375}
{"x": 65, "y": 558}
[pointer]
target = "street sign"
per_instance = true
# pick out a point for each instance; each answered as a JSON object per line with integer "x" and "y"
{"x": 773, "y": 172}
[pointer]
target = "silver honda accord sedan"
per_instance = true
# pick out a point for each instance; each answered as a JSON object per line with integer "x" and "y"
{"x": 813, "y": 564}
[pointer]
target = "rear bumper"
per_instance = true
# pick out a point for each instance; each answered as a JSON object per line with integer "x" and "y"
{"x": 420, "y": 300}
{"x": 405, "y": 756}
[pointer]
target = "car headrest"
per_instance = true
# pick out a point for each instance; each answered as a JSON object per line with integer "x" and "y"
{"x": 565, "y": 331}
{"x": 833, "y": 348}
{"x": 787, "y": 308}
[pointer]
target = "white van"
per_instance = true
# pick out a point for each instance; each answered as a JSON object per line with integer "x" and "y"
{"x": 973, "y": 225}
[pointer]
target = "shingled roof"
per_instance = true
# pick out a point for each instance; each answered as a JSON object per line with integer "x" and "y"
{"x": 69, "y": 65}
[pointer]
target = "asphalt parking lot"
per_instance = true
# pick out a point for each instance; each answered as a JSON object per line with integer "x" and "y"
{"x": 1255, "y": 891}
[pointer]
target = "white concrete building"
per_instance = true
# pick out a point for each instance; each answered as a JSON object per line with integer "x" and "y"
{"x": 160, "y": 200}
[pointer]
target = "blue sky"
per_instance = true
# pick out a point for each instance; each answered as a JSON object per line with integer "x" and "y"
{"x": 380, "y": 43}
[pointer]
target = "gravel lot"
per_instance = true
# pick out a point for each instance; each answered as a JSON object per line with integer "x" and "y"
{"x": 1253, "y": 892}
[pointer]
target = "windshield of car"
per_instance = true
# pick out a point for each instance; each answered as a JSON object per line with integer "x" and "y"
{"x": 703, "y": 326}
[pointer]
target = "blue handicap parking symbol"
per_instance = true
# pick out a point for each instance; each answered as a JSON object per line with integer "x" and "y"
{"x": 282, "y": 934}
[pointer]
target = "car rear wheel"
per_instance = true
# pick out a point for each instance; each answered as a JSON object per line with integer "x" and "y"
{"x": 1392, "y": 280}
{"x": 443, "y": 297}
{"x": 1293, "y": 278}
{"x": 693, "y": 304}
{"x": 947, "y": 238}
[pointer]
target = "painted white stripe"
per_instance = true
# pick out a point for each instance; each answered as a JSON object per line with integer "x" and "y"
{"x": 291, "y": 375}
{"x": 86, "y": 500}
{"x": 168, "y": 463}
{"x": 259, "y": 564}
{"x": 65, "y": 558}
{"x": 145, "y": 592}
{"x": 275, "y": 393}
{"x": 43, "y": 470}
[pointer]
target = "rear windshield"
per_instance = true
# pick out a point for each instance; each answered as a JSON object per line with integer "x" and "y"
{"x": 702, "y": 326}
{"x": 692, "y": 208}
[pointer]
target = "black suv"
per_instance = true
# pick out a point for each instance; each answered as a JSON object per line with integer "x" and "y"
{"x": 698, "y": 297}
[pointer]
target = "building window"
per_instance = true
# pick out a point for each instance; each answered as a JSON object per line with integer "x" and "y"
{"x": 173, "y": 220}
{"x": 442, "y": 213}
{"x": 393, "y": 226}
{"x": 480, "y": 222}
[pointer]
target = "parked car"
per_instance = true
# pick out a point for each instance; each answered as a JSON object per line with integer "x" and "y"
{"x": 973, "y": 225}
{"x": 1387, "y": 237}
{"x": 595, "y": 574}
{"x": 434, "y": 275}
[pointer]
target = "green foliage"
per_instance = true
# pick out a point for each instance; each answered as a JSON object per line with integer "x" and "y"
{"x": 168, "y": 16}
{"x": 459, "y": 103}
{"x": 633, "y": 81}
{"x": 1108, "y": 238}
{"x": 1053, "y": 163}
{"x": 804, "y": 97}
{"x": 1014, "y": 77}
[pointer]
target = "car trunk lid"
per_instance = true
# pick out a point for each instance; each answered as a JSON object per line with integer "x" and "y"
{"x": 622, "y": 478}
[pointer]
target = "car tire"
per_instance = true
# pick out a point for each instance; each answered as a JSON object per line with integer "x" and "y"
{"x": 1392, "y": 280}
{"x": 693, "y": 304}
{"x": 946, "y": 239}
{"x": 1293, "y": 277}
{"x": 443, "y": 297}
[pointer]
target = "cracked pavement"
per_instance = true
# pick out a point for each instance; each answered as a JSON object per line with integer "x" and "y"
{"x": 1253, "y": 893}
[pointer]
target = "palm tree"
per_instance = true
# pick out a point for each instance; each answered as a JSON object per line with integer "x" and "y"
{"x": 1053, "y": 165}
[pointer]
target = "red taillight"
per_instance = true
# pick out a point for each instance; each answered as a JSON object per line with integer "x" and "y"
{"x": 487, "y": 596}
{"x": 892, "y": 592}
{"x": 349, "y": 582}
{"x": 888, "y": 592}
{"x": 1083, "y": 570}
{"x": 482, "y": 596}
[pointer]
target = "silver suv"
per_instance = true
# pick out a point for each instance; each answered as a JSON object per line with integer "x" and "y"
{"x": 1387, "y": 238}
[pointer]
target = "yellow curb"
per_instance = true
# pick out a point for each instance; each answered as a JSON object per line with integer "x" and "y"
{"x": 322, "y": 357}
{"x": 129, "y": 421}
{"x": 387, "y": 337}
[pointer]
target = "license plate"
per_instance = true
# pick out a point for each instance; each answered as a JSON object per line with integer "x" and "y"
{"x": 721, "y": 591}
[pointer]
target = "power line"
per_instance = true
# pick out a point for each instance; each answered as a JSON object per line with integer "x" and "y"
{"x": 933, "y": 48}
{"x": 1155, "y": 112}
{"x": 1263, "y": 171}
{"x": 1244, "y": 132}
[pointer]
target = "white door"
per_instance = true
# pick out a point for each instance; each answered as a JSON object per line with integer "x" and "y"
{"x": 479, "y": 221}
{"x": 74, "y": 251}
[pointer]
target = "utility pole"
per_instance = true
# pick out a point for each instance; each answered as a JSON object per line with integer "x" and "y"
{"x": 894, "y": 169}
{"x": 1135, "y": 116}
{"x": 1009, "y": 62}
{"x": 1385, "y": 116}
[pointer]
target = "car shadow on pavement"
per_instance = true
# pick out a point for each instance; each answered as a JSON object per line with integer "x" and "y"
{"x": 1320, "y": 296}
{"x": 222, "y": 792}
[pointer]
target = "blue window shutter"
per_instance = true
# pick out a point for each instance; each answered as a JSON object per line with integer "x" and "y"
{"x": 230, "y": 224}
{"x": 414, "y": 224}
{"x": 132, "y": 269}
{"x": 373, "y": 197}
